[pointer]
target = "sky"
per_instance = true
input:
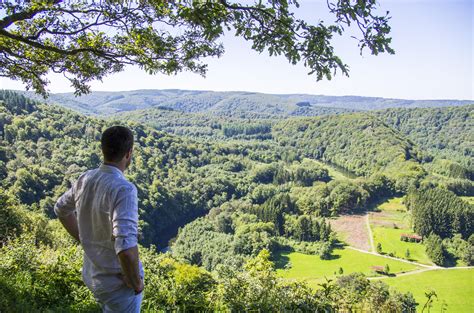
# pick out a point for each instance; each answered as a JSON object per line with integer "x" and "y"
{"x": 433, "y": 40}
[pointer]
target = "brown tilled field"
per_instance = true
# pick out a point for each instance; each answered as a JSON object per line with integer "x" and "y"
{"x": 353, "y": 230}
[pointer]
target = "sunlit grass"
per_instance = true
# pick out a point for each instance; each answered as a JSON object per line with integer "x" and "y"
{"x": 312, "y": 269}
{"x": 389, "y": 238}
{"x": 453, "y": 287}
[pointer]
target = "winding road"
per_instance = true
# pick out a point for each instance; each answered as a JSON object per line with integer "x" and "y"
{"x": 424, "y": 267}
{"x": 369, "y": 231}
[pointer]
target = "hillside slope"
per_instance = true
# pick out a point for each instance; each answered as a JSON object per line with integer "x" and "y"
{"x": 258, "y": 197}
{"x": 358, "y": 142}
{"x": 444, "y": 132}
{"x": 43, "y": 148}
{"x": 233, "y": 103}
{"x": 200, "y": 125}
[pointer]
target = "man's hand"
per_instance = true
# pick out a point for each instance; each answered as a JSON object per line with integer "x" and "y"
{"x": 129, "y": 284}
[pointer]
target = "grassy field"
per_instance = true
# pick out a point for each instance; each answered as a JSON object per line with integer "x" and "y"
{"x": 392, "y": 220}
{"x": 393, "y": 204}
{"x": 312, "y": 269}
{"x": 454, "y": 287}
{"x": 391, "y": 213}
{"x": 389, "y": 238}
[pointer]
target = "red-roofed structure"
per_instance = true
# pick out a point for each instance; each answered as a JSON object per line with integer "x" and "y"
{"x": 411, "y": 237}
{"x": 378, "y": 269}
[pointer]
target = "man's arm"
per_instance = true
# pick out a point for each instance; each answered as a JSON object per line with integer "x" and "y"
{"x": 125, "y": 233}
{"x": 129, "y": 260}
{"x": 65, "y": 211}
{"x": 70, "y": 223}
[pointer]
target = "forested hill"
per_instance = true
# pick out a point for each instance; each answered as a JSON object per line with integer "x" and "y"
{"x": 358, "y": 142}
{"x": 446, "y": 132}
{"x": 236, "y": 104}
{"x": 43, "y": 148}
{"x": 201, "y": 125}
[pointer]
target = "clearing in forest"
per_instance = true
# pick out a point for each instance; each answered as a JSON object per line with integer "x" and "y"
{"x": 388, "y": 223}
{"x": 313, "y": 270}
{"x": 336, "y": 173}
{"x": 352, "y": 229}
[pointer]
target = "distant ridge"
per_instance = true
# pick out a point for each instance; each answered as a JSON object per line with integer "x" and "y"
{"x": 233, "y": 103}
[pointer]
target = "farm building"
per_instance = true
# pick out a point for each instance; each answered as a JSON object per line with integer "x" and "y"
{"x": 378, "y": 269}
{"x": 411, "y": 237}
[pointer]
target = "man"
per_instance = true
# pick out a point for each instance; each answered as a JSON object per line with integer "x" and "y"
{"x": 101, "y": 212}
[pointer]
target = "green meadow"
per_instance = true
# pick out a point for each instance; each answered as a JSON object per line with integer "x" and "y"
{"x": 392, "y": 220}
{"x": 393, "y": 204}
{"x": 454, "y": 288}
{"x": 389, "y": 238}
{"x": 313, "y": 270}
{"x": 334, "y": 173}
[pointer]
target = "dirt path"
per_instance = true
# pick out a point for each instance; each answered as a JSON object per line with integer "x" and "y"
{"x": 369, "y": 231}
{"x": 421, "y": 270}
{"x": 424, "y": 267}
{"x": 397, "y": 259}
{"x": 357, "y": 233}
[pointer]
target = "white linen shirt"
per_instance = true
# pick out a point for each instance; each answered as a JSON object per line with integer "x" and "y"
{"x": 106, "y": 206}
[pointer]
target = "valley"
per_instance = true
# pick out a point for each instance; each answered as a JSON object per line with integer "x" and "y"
{"x": 412, "y": 271}
{"x": 235, "y": 191}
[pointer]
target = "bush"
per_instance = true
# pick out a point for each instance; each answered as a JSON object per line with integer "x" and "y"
{"x": 39, "y": 278}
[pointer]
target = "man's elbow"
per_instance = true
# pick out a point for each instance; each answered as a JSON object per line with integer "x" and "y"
{"x": 62, "y": 212}
{"x": 129, "y": 254}
{"x": 57, "y": 212}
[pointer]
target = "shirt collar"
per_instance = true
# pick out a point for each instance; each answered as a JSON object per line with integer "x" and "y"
{"x": 110, "y": 169}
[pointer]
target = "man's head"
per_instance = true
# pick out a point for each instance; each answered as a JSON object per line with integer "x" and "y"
{"x": 117, "y": 144}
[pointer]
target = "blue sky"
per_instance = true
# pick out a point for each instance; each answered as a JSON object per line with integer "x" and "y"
{"x": 433, "y": 40}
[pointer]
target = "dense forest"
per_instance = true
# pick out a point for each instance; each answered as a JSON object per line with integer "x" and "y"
{"x": 446, "y": 221}
{"x": 230, "y": 192}
{"x": 46, "y": 147}
{"x": 446, "y": 132}
{"x": 199, "y": 125}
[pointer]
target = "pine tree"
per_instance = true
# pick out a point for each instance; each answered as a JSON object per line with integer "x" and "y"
{"x": 435, "y": 250}
{"x": 379, "y": 248}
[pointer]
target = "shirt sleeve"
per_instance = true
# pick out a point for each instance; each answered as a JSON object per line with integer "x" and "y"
{"x": 125, "y": 219}
{"x": 66, "y": 204}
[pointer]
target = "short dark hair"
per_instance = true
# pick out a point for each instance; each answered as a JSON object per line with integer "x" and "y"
{"x": 116, "y": 141}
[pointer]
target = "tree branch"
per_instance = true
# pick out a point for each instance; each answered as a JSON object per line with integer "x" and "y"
{"x": 56, "y": 49}
{"x": 21, "y": 16}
